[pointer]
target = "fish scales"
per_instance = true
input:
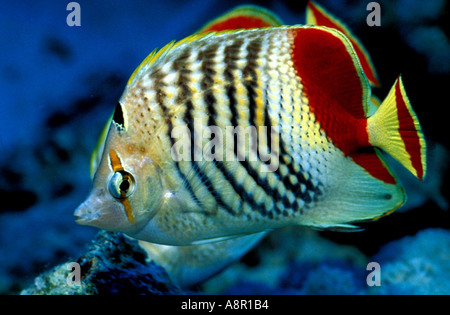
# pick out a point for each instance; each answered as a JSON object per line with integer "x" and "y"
{"x": 251, "y": 100}
{"x": 285, "y": 202}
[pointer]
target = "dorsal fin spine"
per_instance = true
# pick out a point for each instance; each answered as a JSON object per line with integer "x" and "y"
{"x": 158, "y": 54}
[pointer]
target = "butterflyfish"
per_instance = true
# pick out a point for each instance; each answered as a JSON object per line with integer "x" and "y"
{"x": 312, "y": 156}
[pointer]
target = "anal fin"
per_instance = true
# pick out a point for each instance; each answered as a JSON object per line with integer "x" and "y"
{"x": 372, "y": 161}
{"x": 358, "y": 191}
{"x": 188, "y": 265}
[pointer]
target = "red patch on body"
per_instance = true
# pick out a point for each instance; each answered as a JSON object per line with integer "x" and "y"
{"x": 335, "y": 93}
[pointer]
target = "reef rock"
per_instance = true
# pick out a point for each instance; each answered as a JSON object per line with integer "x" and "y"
{"x": 113, "y": 264}
{"x": 417, "y": 264}
{"x": 299, "y": 261}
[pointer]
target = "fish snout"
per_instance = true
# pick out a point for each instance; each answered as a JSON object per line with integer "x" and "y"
{"x": 85, "y": 214}
{"x": 103, "y": 213}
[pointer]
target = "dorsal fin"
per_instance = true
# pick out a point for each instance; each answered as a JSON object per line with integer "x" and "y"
{"x": 330, "y": 71}
{"x": 98, "y": 150}
{"x": 317, "y": 15}
{"x": 243, "y": 17}
{"x": 154, "y": 55}
{"x": 158, "y": 54}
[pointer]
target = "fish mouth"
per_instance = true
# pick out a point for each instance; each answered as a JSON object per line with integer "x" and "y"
{"x": 103, "y": 215}
{"x": 86, "y": 215}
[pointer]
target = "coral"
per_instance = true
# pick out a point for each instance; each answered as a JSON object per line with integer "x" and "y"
{"x": 415, "y": 264}
{"x": 294, "y": 260}
{"x": 412, "y": 265}
{"x": 113, "y": 265}
{"x": 332, "y": 279}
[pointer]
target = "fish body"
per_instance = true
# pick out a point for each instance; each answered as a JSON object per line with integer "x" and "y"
{"x": 161, "y": 176}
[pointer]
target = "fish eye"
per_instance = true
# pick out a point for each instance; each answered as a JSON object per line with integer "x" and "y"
{"x": 121, "y": 185}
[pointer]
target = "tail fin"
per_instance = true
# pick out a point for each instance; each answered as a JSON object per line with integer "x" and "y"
{"x": 395, "y": 128}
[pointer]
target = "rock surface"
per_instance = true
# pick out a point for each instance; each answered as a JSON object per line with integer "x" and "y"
{"x": 112, "y": 265}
